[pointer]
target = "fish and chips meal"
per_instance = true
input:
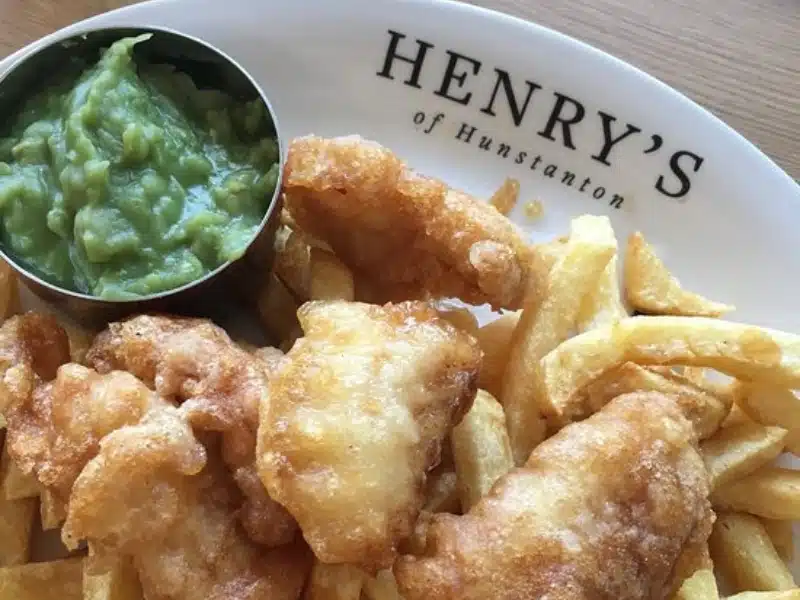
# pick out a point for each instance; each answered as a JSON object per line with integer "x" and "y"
{"x": 593, "y": 441}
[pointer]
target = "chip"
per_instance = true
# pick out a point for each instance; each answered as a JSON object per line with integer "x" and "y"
{"x": 382, "y": 587}
{"x": 481, "y": 449}
{"x": 774, "y": 405}
{"x": 700, "y": 586}
{"x": 651, "y": 289}
{"x": 737, "y": 451}
{"x": 117, "y": 579}
{"x": 743, "y": 351}
{"x": 744, "y": 555}
{"x": 56, "y": 580}
{"x": 706, "y": 411}
{"x": 549, "y": 315}
{"x": 771, "y": 492}
{"x": 334, "y": 582}
{"x": 603, "y": 305}
{"x": 494, "y": 339}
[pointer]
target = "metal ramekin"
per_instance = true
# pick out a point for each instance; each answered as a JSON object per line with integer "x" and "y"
{"x": 231, "y": 281}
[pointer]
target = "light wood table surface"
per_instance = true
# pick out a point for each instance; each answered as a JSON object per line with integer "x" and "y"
{"x": 738, "y": 58}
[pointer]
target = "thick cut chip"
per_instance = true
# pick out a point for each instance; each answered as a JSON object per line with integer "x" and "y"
{"x": 603, "y": 305}
{"x": 743, "y": 351}
{"x": 550, "y": 312}
{"x": 700, "y": 586}
{"x": 737, "y": 451}
{"x": 330, "y": 278}
{"x": 117, "y": 579}
{"x": 334, "y": 582}
{"x": 8, "y": 290}
{"x": 16, "y": 523}
{"x": 57, "y": 580}
{"x": 706, "y": 411}
{"x": 16, "y": 485}
{"x": 495, "y": 340}
{"x": 744, "y": 555}
{"x": 277, "y": 309}
{"x": 460, "y": 317}
{"x": 774, "y": 405}
{"x": 52, "y": 511}
{"x": 382, "y": 587}
{"x": 652, "y": 289}
{"x": 793, "y": 594}
{"x": 481, "y": 449}
{"x": 771, "y": 492}
{"x": 782, "y": 536}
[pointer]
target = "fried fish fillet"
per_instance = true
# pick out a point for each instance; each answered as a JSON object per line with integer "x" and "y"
{"x": 134, "y": 477}
{"x": 219, "y": 386}
{"x": 413, "y": 236}
{"x": 144, "y": 497}
{"x": 357, "y": 413}
{"x": 603, "y": 510}
{"x": 32, "y": 348}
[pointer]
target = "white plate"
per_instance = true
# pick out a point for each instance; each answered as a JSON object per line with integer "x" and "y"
{"x": 722, "y": 215}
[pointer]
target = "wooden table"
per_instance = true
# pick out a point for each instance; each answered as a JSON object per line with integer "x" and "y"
{"x": 739, "y": 58}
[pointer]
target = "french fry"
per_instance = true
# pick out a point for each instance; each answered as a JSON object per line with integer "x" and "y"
{"x": 309, "y": 272}
{"x": 700, "y": 586}
{"x": 495, "y": 340}
{"x": 277, "y": 310}
{"x": 52, "y": 512}
{"x": 736, "y": 417}
{"x": 737, "y": 451}
{"x": 2, "y": 422}
{"x": 16, "y": 523}
{"x": 117, "y": 580}
{"x": 16, "y": 485}
{"x": 80, "y": 339}
{"x": 56, "y": 580}
{"x": 293, "y": 262}
{"x": 441, "y": 492}
{"x": 329, "y": 278}
{"x": 603, "y": 305}
{"x": 550, "y": 311}
{"x": 8, "y": 291}
{"x": 460, "y": 318}
{"x": 744, "y": 555}
{"x": 782, "y": 536}
{"x": 506, "y": 196}
{"x": 793, "y": 594}
{"x": 481, "y": 449}
{"x": 771, "y": 492}
{"x": 382, "y": 587}
{"x": 334, "y": 582}
{"x": 651, "y": 289}
{"x": 774, "y": 405}
{"x": 705, "y": 411}
{"x": 742, "y": 351}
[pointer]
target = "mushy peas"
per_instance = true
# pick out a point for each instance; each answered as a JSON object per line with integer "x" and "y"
{"x": 121, "y": 182}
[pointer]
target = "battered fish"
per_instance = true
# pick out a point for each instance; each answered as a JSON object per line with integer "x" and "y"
{"x": 603, "y": 510}
{"x": 357, "y": 414}
{"x": 219, "y": 386}
{"x": 143, "y": 497}
{"x": 414, "y": 236}
{"x": 133, "y": 475}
